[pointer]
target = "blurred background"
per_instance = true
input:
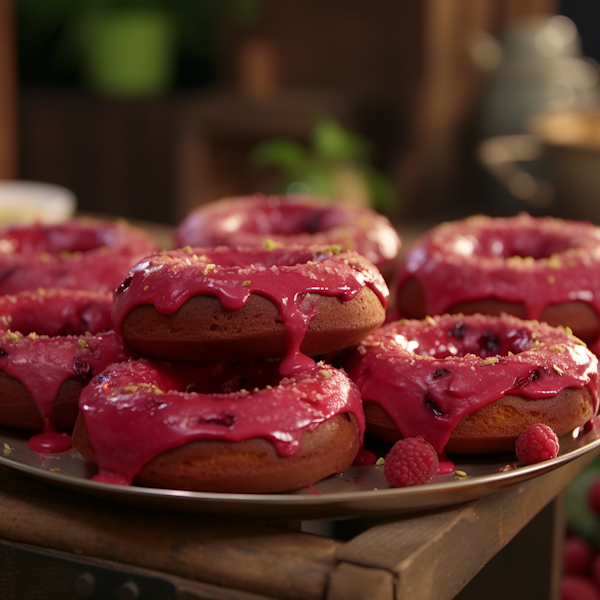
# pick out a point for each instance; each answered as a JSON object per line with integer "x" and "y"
{"x": 423, "y": 110}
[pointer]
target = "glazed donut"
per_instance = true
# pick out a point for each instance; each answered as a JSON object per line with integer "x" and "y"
{"x": 471, "y": 384}
{"x": 228, "y": 304}
{"x": 140, "y": 421}
{"x": 52, "y": 342}
{"x": 83, "y": 254}
{"x": 249, "y": 220}
{"x": 542, "y": 269}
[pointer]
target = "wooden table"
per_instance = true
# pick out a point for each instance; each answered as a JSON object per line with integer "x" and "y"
{"x": 56, "y": 543}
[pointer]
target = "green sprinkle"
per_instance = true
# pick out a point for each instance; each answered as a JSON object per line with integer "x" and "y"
{"x": 334, "y": 249}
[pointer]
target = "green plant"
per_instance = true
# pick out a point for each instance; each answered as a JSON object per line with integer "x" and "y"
{"x": 51, "y": 32}
{"x": 335, "y": 165}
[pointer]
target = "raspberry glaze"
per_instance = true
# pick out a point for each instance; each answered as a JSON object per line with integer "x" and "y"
{"x": 42, "y": 361}
{"x": 135, "y": 410}
{"x": 56, "y": 312}
{"x": 247, "y": 221}
{"x": 285, "y": 275}
{"x": 427, "y": 375}
{"x": 85, "y": 254}
{"x": 538, "y": 262}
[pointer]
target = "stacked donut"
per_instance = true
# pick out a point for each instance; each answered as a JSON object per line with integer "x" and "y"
{"x": 230, "y": 394}
{"x": 56, "y": 285}
{"x": 462, "y": 372}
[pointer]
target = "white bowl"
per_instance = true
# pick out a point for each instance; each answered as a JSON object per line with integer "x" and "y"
{"x": 32, "y": 201}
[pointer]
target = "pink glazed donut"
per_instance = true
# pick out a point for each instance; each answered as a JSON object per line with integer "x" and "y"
{"x": 219, "y": 427}
{"x": 543, "y": 269}
{"x": 249, "y": 220}
{"x": 80, "y": 254}
{"x": 471, "y": 384}
{"x": 52, "y": 342}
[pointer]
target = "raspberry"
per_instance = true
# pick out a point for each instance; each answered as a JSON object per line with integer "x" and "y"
{"x": 574, "y": 587}
{"x": 536, "y": 444}
{"x": 577, "y": 556}
{"x": 411, "y": 461}
{"x": 595, "y": 570}
{"x": 594, "y": 497}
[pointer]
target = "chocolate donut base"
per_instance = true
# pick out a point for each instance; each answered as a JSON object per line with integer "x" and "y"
{"x": 495, "y": 428}
{"x": 18, "y": 410}
{"x": 246, "y": 467}
{"x": 579, "y": 316}
{"x": 201, "y": 329}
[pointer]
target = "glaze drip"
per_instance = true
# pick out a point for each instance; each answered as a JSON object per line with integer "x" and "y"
{"x": 285, "y": 275}
{"x": 39, "y": 347}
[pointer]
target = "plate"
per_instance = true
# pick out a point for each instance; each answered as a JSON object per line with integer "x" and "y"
{"x": 359, "y": 491}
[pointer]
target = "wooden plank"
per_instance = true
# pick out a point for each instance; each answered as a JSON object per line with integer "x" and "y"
{"x": 30, "y": 573}
{"x": 530, "y": 560}
{"x": 360, "y": 583}
{"x": 428, "y": 553}
{"x": 232, "y": 553}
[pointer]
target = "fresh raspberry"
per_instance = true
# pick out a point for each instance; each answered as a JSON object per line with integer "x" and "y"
{"x": 593, "y": 497}
{"x": 574, "y": 587}
{"x": 411, "y": 461}
{"x": 595, "y": 570}
{"x": 536, "y": 444}
{"x": 577, "y": 556}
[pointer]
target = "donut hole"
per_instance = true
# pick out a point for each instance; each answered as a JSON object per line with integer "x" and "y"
{"x": 507, "y": 243}
{"x": 274, "y": 258}
{"x": 56, "y": 313}
{"x": 287, "y": 219}
{"x": 53, "y": 239}
{"x": 461, "y": 340}
{"x": 227, "y": 378}
{"x": 283, "y": 218}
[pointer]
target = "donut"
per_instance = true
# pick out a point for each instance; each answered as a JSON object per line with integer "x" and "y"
{"x": 52, "y": 342}
{"x": 471, "y": 384}
{"x": 293, "y": 219}
{"x": 83, "y": 254}
{"x": 236, "y": 428}
{"x": 541, "y": 268}
{"x": 229, "y": 304}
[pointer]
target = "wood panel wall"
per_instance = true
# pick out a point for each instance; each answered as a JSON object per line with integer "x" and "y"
{"x": 8, "y": 92}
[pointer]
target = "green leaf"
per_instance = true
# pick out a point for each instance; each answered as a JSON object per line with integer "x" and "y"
{"x": 331, "y": 140}
{"x": 285, "y": 154}
{"x": 381, "y": 190}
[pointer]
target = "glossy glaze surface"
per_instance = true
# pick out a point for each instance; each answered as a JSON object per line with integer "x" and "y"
{"x": 427, "y": 375}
